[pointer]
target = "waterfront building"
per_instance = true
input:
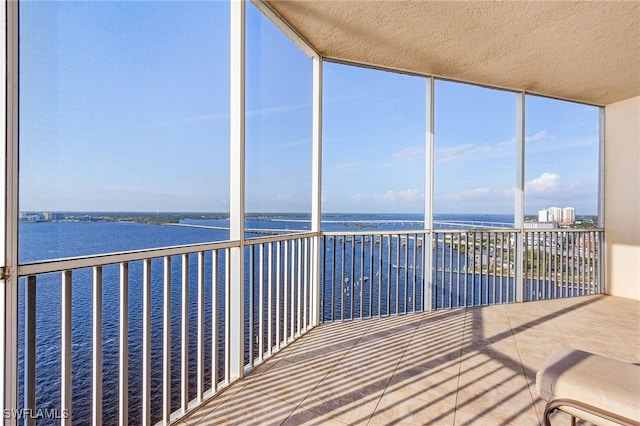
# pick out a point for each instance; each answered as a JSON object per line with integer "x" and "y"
{"x": 564, "y": 216}
{"x": 543, "y": 215}
{"x": 49, "y": 216}
{"x": 555, "y": 214}
{"x": 32, "y": 218}
{"x": 568, "y": 215}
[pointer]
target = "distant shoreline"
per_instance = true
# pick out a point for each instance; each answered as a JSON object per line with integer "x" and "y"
{"x": 172, "y": 218}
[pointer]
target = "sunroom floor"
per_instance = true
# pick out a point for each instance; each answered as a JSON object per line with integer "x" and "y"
{"x": 473, "y": 366}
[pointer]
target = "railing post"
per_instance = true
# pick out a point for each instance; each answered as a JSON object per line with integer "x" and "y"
{"x": 30, "y": 347}
{"x": 601, "y": 212}
{"x": 96, "y": 373}
{"x": 66, "y": 347}
{"x": 519, "y": 255}
{"x": 184, "y": 337}
{"x": 123, "y": 353}
{"x": 427, "y": 246}
{"x": 237, "y": 190}
{"x": 316, "y": 190}
{"x": 9, "y": 211}
{"x": 166, "y": 341}
{"x": 146, "y": 343}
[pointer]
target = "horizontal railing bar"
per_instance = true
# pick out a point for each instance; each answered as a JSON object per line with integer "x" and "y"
{"x": 58, "y": 265}
{"x": 374, "y": 232}
{"x": 449, "y": 231}
{"x": 283, "y": 237}
{"x": 560, "y": 230}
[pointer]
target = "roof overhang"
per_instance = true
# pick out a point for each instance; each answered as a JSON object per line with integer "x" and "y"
{"x": 587, "y": 51}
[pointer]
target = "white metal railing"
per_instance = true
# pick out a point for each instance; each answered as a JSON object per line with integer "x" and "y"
{"x": 562, "y": 263}
{"x": 150, "y": 377}
{"x": 371, "y": 274}
{"x": 163, "y": 280}
{"x": 155, "y": 323}
{"x": 279, "y": 297}
{"x": 368, "y": 274}
{"x": 474, "y": 268}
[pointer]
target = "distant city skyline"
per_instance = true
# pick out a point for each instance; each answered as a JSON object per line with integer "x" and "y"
{"x": 125, "y": 107}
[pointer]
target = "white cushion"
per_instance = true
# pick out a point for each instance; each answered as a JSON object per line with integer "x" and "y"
{"x": 604, "y": 383}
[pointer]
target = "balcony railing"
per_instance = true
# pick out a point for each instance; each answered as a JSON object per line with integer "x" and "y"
{"x": 165, "y": 281}
{"x": 280, "y": 293}
{"x": 382, "y": 273}
{"x": 149, "y": 339}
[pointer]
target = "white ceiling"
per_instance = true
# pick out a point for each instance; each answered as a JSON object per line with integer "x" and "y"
{"x": 588, "y": 51}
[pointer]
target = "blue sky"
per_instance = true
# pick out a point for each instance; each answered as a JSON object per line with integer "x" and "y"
{"x": 124, "y": 107}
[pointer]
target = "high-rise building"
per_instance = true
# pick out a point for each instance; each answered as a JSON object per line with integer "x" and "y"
{"x": 568, "y": 215}
{"x": 555, "y": 214}
{"x": 543, "y": 215}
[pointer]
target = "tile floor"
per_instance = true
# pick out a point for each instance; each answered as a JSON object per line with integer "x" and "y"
{"x": 471, "y": 366}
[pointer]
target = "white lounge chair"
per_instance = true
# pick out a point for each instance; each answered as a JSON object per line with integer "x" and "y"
{"x": 591, "y": 387}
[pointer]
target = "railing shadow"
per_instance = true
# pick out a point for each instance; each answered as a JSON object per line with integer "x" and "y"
{"x": 390, "y": 371}
{"x": 514, "y": 366}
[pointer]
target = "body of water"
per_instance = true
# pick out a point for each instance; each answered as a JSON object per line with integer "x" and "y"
{"x": 54, "y": 240}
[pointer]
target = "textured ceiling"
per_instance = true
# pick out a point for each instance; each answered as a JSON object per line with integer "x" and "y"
{"x": 588, "y": 51}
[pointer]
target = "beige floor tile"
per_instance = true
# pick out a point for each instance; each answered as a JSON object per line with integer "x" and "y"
{"x": 533, "y": 346}
{"x": 321, "y": 347}
{"x": 196, "y": 416}
{"x": 287, "y": 381}
{"x": 520, "y": 322}
{"x": 349, "y": 402}
{"x": 304, "y": 417}
{"x": 385, "y": 347}
{"x": 533, "y": 361}
{"x": 504, "y": 348}
{"x": 249, "y": 408}
{"x": 486, "y": 322}
{"x": 464, "y": 418}
{"x": 441, "y": 357}
{"x": 507, "y": 405}
{"x": 261, "y": 368}
{"x": 399, "y": 409}
{"x": 487, "y": 370}
{"x": 425, "y": 340}
{"x": 438, "y": 387}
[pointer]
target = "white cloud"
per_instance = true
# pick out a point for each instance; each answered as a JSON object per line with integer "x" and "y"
{"x": 277, "y": 109}
{"x": 453, "y": 153}
{"x": 536, "y": 137}
{"x": 225, "y": 115}
{"x": 542, "y": 134}
{"x": 410, "y": 195}
{"x": 409, "y": 154}
{"x": 478, "y": 192}
{"x": 467, "y": 194}
{"x": 544, "y": 183}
